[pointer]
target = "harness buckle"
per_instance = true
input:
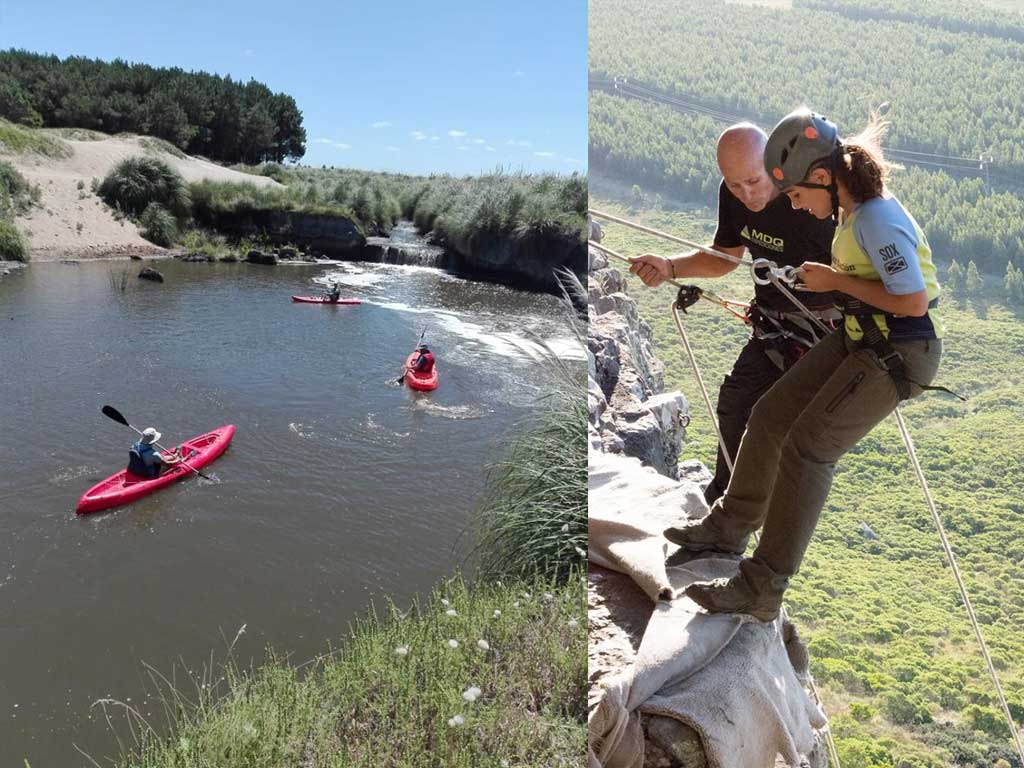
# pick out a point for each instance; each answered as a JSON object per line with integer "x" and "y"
{"x": 892, "y": 356}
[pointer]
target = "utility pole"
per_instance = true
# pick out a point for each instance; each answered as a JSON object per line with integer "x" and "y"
{"x": 984, "y": 163}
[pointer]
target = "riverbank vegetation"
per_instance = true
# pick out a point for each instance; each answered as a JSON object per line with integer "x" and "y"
{"x": 507, "y": 205}
{"x": 16, "y": 196}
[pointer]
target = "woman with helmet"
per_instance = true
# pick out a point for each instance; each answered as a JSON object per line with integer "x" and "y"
{"x": 888, "y": 350}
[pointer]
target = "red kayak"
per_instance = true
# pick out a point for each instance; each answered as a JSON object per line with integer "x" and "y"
{"x": 421, "y": 381}
{"x": 124, "y": 487}
{"x": 323, "y": 300}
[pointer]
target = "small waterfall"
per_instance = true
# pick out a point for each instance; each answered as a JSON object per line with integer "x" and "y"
{"x": 405, "y": 246}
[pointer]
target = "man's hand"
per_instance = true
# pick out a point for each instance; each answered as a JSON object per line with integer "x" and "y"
{"x": 817, "y": 277}
{"x": 653, "y": 270}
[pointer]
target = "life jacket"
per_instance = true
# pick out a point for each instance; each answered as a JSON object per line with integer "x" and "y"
{"x": 424, "y": 363}
{"x": 138, "y": 466}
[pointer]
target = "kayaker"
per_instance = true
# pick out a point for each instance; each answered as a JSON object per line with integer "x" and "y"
{"x": 335, "y": 293}
{"x": 145, "y": 461}
{"x": 425, "y": 362}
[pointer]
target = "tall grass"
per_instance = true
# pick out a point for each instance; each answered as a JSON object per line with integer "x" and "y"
{"x": 138, "y": 181}
{"x": 471, "y": 677}
{"x": 13, "y": 246}
{"x": 158, "y": 225}
{"x": 16, "y": 194}
{"x": 534, "y": 520}
{"x": 19, "y": 139}
{"x": 210, "y": 198}
{"x": 507, "y": 204}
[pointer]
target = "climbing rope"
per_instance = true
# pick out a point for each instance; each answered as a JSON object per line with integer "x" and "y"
{"x": 778, "y": 277}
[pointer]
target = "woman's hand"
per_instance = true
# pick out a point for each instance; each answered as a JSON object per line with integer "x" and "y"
{"x": 817, "y": 277}
{"x": 652, "y": 269}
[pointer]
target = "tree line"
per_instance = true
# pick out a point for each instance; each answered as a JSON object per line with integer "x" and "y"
{"x": 201, "y": 113}
{"x": 950, "y": 15}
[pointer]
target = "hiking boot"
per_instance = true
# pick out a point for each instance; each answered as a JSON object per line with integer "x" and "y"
{"x": 756, "y": 590}
{"x": 699, "y": 536}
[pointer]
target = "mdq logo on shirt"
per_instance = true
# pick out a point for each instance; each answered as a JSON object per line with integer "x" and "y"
{"x": 763, "y": 238}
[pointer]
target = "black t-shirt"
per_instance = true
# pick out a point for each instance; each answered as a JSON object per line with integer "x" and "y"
{"x": 780, "y": 233}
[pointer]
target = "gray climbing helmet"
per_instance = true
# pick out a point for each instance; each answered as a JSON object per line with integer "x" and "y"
{"x": 801, "y": 141}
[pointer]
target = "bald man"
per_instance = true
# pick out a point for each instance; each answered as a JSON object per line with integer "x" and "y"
{"x": 752, "y": 215}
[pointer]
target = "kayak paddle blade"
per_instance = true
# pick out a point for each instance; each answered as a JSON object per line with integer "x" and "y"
{"x": 112, "y": 413}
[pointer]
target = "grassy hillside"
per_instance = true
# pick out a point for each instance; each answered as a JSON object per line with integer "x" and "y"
{"x": 902, "y": 678}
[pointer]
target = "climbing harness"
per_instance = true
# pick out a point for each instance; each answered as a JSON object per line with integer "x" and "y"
{"x": 892, "y": 361}
{"x": 888, "y": 357}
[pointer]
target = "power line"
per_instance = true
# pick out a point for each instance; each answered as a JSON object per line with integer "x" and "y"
{"x": 971, "y": 166}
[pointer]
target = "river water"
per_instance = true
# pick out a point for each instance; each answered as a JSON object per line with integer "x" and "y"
{"x": 340, "y": 488}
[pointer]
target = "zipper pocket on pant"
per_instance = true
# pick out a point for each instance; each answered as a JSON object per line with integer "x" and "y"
{"x": 848, "y": 390}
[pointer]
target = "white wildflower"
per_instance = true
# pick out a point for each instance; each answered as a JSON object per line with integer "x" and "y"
{"x": 450, "y": 612}
{"x": 573, "y": 623}
{"x": 472, "y": 693}
{"x": 402, "y": 650}
{"x": 453, "y": 643}
{"x": 456, "y": 721}
{"x": 497, "y": 613}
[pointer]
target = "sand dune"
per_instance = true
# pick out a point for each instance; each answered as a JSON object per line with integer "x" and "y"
{"x": 73, "y": 222}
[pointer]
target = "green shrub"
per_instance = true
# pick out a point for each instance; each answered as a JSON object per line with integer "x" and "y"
{"x": 862, "y": 712}
{"x": 139, "y": 181}
{"x": 903, "y": 710}
{"x": 13, "y": 246}
{"x": 986, "y": 719}
{"x": 16, "y": 194}
{"x": 158, "y": 225}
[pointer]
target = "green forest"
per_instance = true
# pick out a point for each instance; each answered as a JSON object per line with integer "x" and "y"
{"x": 200, "y": 113}
{"x": 894, "y": 656}
{"x": 950, "y": 93}
{"x": 951, "y": 15}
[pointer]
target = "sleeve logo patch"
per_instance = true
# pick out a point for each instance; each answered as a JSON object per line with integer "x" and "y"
{"x": 892, "y": 259}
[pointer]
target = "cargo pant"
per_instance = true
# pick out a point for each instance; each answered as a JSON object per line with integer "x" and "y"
{"x": 797, "y": 432}
{"x": 751, "y": 376}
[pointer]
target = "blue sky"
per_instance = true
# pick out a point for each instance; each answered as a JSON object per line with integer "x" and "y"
{"x": 448, "y": 86}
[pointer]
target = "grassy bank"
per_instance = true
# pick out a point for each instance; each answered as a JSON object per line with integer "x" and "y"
{"x": 489, "y": 676}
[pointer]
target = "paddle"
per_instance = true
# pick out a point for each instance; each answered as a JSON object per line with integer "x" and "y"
{"x": 405, "y": 370}
{"x": 112, "y": 413}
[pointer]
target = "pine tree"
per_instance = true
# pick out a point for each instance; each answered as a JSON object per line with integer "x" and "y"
{"x": 956, "y": 279}
{"x": 974, "y": 283}
{"x": 1013, "y": 284}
